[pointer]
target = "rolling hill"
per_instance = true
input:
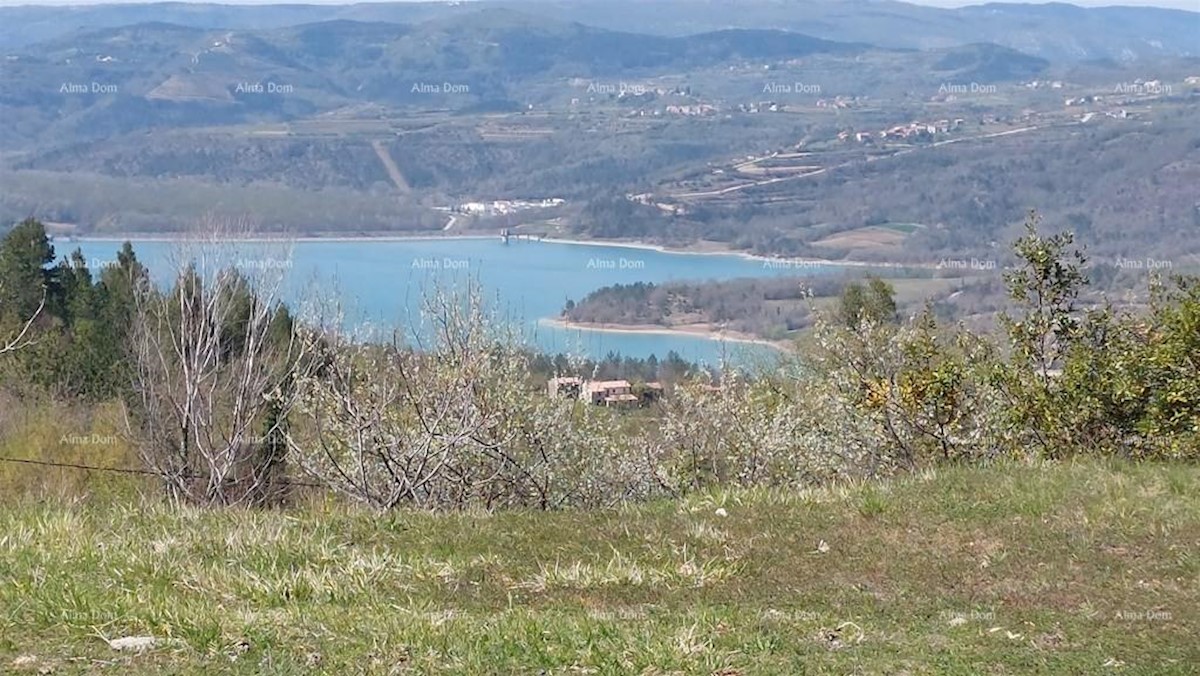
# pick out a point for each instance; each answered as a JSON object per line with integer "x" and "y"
{"x": 1054, "y": 31}
{"x": 102, "y": 82}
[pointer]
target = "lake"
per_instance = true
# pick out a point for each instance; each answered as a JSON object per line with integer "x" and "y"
{"x": 524, "y": 280}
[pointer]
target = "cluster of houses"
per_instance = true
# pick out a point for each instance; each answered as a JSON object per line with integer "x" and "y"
{"x": 644, "y": 94}
{"x": 912, "y": 130}
{"x": 1126, "y": 92}
{"x": 649, "y": 200}
{"x": 1044, "y": 84}
{"x": 623, "y": 90}
{"x": 839, "y": 102}
{"x": 1120, "y": 114}
{"x": 760, "y": 107}
{"x": 687, "y": 110}
{"x": 604, "y": 392}
{"x": 500, "y": 207}
{"x": 692, "y": 109}
{"x": 704, "y": 109}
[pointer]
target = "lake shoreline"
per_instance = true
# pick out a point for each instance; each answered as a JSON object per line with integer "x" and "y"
{"x": 692, "y": 331}
{"x": 692, "y": 250}
{"x": 549, "y": 317}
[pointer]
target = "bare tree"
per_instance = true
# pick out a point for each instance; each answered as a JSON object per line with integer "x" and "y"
{"x": 215, "y": 358}
{"x": 393, "y": 425}
{"x": 451, "y": 422}
{"x": 21, "y": 338}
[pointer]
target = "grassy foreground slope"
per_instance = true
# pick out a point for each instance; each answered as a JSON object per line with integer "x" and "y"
{"x": 1075, "y": 568}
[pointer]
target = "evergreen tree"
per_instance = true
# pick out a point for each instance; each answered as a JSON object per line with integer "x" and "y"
{"x": 24, "y": 280}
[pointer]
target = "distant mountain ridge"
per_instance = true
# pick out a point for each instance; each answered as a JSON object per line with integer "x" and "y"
{"x": 157, "y": 74}
{"x": 1055, "y": 31}
{"x": 185, "y": 75}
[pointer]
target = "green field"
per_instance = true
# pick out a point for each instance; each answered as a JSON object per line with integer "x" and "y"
{"x": 1079, "y": 568}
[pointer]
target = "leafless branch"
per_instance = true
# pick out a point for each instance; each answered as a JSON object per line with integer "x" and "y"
{"x": 213, "y": 378}
{"x": 21, "y": 340}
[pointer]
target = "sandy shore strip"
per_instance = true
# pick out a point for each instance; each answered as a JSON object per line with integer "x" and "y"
{"x": 772, "y": 261}
{"x": 767, "y": 260}
{"x": 691, "y": 331}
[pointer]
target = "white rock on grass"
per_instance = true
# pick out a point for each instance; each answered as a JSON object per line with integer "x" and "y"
{"x": 138, "y": 643}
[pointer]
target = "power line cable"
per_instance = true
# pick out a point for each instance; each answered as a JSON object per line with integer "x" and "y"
{"x": 128, "y": 470}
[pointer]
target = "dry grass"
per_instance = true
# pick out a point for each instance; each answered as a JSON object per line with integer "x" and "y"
{"x": 1079, "y": 568}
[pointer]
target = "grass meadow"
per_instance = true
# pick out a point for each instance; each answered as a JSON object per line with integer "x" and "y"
{"x": 1086, "y": 567}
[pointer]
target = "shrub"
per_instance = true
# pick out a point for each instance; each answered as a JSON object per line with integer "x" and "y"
{"x": 1167, "y": 373}
{"x": 1098, "y": 382}
{"x": 456, "y": 425}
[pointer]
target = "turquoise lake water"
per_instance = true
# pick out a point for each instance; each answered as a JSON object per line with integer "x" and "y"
{"x": 525, "y": 281}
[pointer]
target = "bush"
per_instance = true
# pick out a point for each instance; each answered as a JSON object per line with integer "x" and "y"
{"x": 744, "y": 432}
{"x": 457, "y": 425}
{"x": 900, "y": 397}
{"x": 1098, "y": 382}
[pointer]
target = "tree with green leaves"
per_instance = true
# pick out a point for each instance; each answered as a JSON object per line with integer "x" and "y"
{"x": 875, "y": 303}
{"x": 1044, "y": 285}
{"x": 24, "y": 278}
{"x": 25, "y": 283}
{"x": 1171, "y": 417}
